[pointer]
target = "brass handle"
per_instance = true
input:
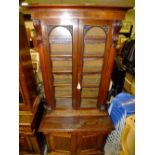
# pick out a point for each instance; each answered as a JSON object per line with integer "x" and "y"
{"x": 78, "y": 86}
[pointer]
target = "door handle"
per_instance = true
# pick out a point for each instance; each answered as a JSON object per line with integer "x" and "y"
{"x": 79, "y": 85}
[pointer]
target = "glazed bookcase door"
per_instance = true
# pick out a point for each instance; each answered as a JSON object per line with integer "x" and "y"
{"x": 94, "y": 46}
{"x": 60, "y": 55}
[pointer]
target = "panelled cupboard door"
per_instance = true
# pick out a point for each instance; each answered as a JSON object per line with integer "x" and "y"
{"x": 60, "y": 63}
{"x": 75, "y": 143}
{"x": 94, "y": 50}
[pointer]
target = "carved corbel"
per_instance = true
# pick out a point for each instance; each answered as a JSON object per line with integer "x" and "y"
{"x": 115, "y": 32}
{"x": 37, "y": 27}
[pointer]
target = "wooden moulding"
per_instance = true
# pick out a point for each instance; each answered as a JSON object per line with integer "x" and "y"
{"x": 119, "y": 4}
{"x": 75, "y": 113}
{"x": 76, "y": 121}
{"x": 76, "y": 125}
{"x": 104, "y": 13}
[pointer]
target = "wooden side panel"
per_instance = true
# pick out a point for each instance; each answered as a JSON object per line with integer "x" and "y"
{"x": 26, "y": 75}
{"x": 45, "y": 63}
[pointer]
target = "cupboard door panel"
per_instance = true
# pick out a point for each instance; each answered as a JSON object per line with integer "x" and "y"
{"x": 75, "y": 143}
{"x": 60, "y": 143}
{"x": 90, "y": 143}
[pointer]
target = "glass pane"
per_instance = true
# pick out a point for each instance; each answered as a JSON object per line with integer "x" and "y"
{"x": 64, "y": 103}
{"x": 88, "y": 103}
{"x": 94, "y": 41}
{"x": 62, "y": 79}
{"x": 92, "y": 79}
{"x": 92, "y": 65}
{"x": 61, "y": 49}
{"x": 94, "y": 46}
{"x": 63, "y": 91}
{"x": 90, "y": 92}
{"x": 94, "y": 49}
{"x": 60, "y": 41}
{"x": 62, "y": 65}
